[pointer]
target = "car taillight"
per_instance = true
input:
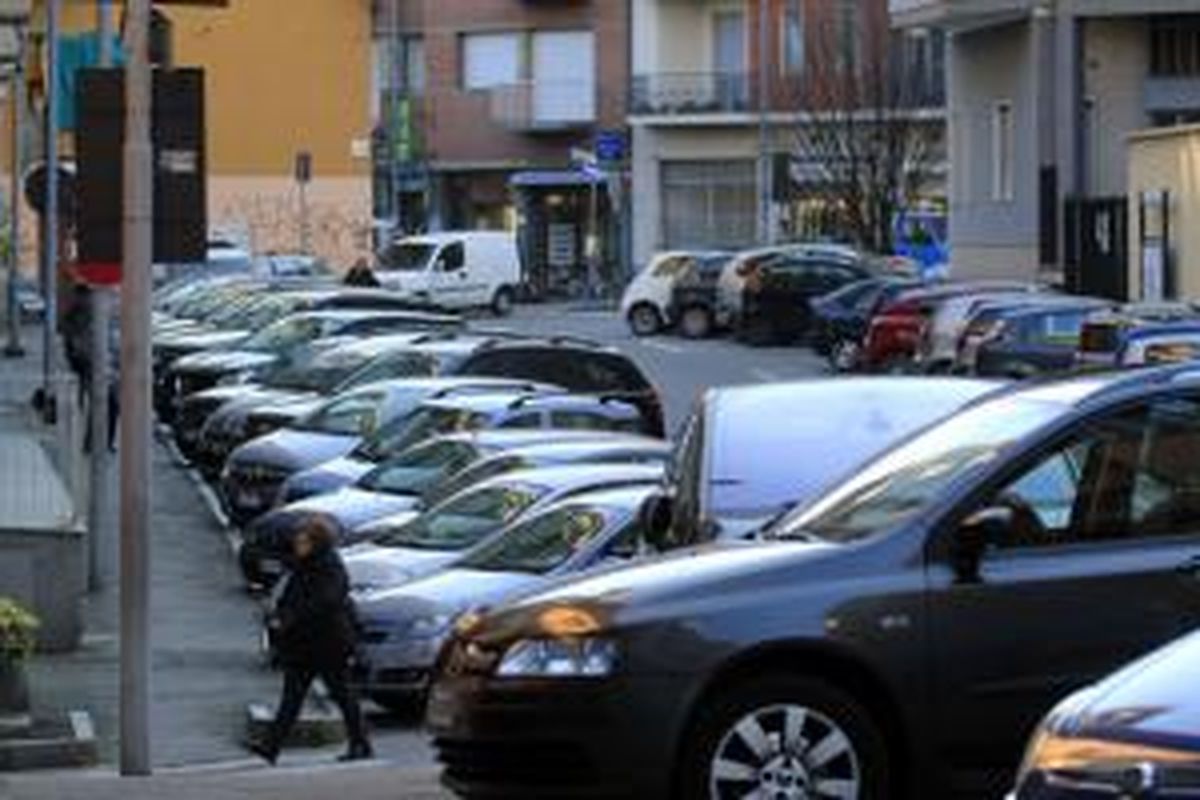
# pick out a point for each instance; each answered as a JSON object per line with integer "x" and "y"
{"x": 1099, "y": 339}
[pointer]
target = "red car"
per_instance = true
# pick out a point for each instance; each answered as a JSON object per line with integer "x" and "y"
{"x": 896, "y": 330}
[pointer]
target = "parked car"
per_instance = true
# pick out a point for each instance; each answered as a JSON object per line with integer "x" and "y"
{"x": 840, "y": 318}
{"x": 732, "y": 281}
{"x": 405, "y": 628}
{"x": 937, "y": 348}
{"x": 409, "y": 545}
{"x": 725, "y": 480}
{"x": 579, "y": 365}
{"x": 777, "y": 292}
{"x": 276, "y": 345}
{"x": 647, "y": 302}
{"x": 30, "y": 303}
{"x": 255, "y": 471}
{"x": 1038, "y": 340}
{"x": 455, "y": 269}
{"x": 1134, "y": 734}
{"x": 909, "y": 626}
{"x": 694, "y": 298}
{"x": 1104, "y": 332}
{"x": 436, "y": 453}
{"x": 1167, "y": 343}
{"x": 895, "y": 332}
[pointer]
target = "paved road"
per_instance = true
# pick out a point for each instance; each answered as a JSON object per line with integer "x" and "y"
{"x": 206, "y": 665}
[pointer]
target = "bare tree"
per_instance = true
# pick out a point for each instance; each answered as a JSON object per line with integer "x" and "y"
{"x": 869, "y": 135}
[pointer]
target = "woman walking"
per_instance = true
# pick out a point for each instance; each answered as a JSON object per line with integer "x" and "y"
{"x": 314, "y": 631}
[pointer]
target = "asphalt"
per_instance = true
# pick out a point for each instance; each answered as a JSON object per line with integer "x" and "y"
{"x": 206, "y": 664}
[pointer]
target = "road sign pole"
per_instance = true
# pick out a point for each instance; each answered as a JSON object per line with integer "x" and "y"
{"x": 137, "y": 242}
{"x": 13, "y": 348}
{"x": 50, "y": 218}
{"x": 98, "y": 391}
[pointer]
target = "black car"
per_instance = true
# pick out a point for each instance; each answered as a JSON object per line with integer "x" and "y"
{"x": 1032, "y": 341}
{"x": 905, "y": 631}
{"x": 840, "y": 319}
{"x": 275, "y": 346}
{"x": 694, "y": 297}
{"x": 578, "y": 365}
{"x": 1135, "y": 734}
{"x": 777, "y": 293}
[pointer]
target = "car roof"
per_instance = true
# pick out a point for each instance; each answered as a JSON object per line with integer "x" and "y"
{"x": 355, "y": 314}
{"x": 1049, "y": 307}
{"x": 498, "y": 439}
{"x": 549, "y": 342}
{"x": 377, "y": 345}
{"x": 441, "y": 237}
{"x": 630, "y": 497}
{"x": 488, "y": 387}
{"x": 552, "y": 449}
{"x": 1089, "y": 388}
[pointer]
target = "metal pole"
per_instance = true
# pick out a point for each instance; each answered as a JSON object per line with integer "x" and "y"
{"x": 50, "y": 220}
{"x": 100, "y": 387}
{"x": 766, "y": 234}
{"x": 305, "y": 233}
{"x": 395, "y": 44}
{"x": 137, "y": 243}
{"x": 13, "y": 348}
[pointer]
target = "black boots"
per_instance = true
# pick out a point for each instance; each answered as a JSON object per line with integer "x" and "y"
{"x": 264, "y": 750}
{"x": 358, "y": 751}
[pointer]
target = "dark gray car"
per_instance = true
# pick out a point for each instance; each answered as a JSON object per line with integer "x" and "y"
{"x": 907, "y": 629}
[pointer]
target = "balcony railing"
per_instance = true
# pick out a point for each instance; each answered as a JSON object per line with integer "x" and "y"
{"x": 681, "y": 93}
{"x": 544, "y": 105}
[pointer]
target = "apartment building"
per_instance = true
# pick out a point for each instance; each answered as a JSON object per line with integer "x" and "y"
{"x": 479, "y": 105}
{"x": 1043, "y": 98}
{"x": 719, "y": 93}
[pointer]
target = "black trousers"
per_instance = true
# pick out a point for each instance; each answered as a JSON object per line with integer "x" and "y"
{"x": 296, "y": 683}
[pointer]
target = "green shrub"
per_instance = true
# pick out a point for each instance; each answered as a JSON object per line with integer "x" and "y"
{"x": 18, "y": 630}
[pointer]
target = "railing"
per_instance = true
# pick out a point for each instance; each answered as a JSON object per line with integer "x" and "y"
{"x": 683, "y": 93}
{"x": 544, "y": 105}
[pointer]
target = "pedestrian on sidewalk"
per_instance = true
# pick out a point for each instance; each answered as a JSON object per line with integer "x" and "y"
{"x": 315, "y": 631}
{"x": 361, "y": 275}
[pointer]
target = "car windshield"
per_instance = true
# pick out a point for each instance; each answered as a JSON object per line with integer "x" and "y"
{"x": 408, "y": 257}
{"x": 907, "y": 480}
{"x": 466, "y": 520}
{"x": 351, "y": 415}
{"x": 319, "y": 373}
{"x": 419, "y": 469}
{"x": 545, "y": 542}
{"x": 284, "y": 334}
{"x": 424, "y": 423}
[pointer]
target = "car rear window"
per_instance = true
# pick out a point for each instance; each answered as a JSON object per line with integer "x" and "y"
{"x": 574, "y": 369}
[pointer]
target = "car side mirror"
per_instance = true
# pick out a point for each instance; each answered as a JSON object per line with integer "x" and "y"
{"x": 987, "y": 528}
{"x": 654, "y": 520}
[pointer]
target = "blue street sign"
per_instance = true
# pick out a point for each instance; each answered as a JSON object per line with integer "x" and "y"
{"x": 610, "y": 147}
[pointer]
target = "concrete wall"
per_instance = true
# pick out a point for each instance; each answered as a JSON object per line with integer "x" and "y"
{"x": 989, "y": 235}
{"x": 1168, "y": 159}
{"x": 1115, "y": 69}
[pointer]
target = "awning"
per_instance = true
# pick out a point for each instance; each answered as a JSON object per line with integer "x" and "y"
{"x": 553, "y": 178}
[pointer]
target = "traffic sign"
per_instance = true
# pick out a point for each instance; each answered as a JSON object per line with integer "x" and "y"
{"x": 610, "y": 147}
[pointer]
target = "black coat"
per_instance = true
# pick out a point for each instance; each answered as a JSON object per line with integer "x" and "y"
{"x": 314, "y": 623}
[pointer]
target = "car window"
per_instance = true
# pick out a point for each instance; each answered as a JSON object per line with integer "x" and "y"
{"x": 542, "y": 543}
{"x": 669, "y": 267}
{"x": 356, "y": 415}
{"x": 464, "y": 521}
{"x": 424, "y": 423}
{"x": 417, "y": 470}
{"x": 471, "y": 475}
{"x": 452, "y": 257}
{"x": 400, "y": 365}
{"x": 1133, "y": 475}
{"x": 529, "y": 421}
{"x": 580, "y": 420}
{"x": 1172, "y": 351}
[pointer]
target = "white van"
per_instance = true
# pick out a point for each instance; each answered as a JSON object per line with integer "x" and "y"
{"x": 457, "y": 269}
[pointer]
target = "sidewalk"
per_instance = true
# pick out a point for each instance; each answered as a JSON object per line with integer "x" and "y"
{"x": 375, "y": 781}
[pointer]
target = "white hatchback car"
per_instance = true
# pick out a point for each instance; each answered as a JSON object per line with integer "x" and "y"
{"x": 646, "y": 304}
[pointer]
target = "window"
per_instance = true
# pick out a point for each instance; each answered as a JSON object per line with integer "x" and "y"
{"x": 1134, "y": 475}
{"x": 451, "y": 258}
{"x": 528, "y": 421}
{"x": 406, "y": 56}
{"x": 352, "y": 416}
{"x": 848, "y": 35}
{"x": 793, "y": 33}
{"x": 465, "y": 520}
{"x": 579, "y": 420}
{"x": 564, "y": 76}
{"x": 1003, "y": 152}
{"x": 1175, "y": 46}
{"x": 490, "y": 60}
{"x": 542, "y": 543}
{"x": 708, "y": 204}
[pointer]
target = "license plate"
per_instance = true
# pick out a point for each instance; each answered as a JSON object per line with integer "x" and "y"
{"x": 249, "y": 500}
{"x": 441, "y": 711}
{"x": 271, "y": 566}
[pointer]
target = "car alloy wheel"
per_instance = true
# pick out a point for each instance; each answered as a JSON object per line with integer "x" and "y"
{"x": 502, "y": 303}
{"x": 644, "y": 320}
{"x": 785, "y": 752}
{"x": 696, "y": 323}
{"x": 844, "y": 356}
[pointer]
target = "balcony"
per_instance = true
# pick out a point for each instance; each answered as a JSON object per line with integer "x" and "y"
{"x": 690, "y": 93}
{"x": 544, "y": 106}
{"x": 919, "y": 13}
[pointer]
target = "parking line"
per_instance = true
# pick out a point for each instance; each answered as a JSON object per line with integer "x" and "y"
{"x": 666, "y": 348}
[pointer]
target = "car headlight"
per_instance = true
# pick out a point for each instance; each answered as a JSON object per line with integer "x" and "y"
{"x": 430, "y": 626}
{"x": 1061, "y": 759}
{"x": 559, "y": 658}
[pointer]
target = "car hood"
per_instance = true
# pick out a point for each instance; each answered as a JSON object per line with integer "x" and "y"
{"x": 687, "y": 580}
{"x": 451, "y": 591}
{"x": 293, "y": 449}
{"x": 1153, "y": 701}
{"x": 223, "y": 361}
{"x": 369, "y": 565}
{"x": 353, "y": 507}
{"x": 200, "y": 339}
{"x": 289, "y": 405}
{"x": 327, "y": 477}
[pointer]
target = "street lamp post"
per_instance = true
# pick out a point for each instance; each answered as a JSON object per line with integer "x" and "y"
{"x": 12, "y": 347}
{"x": 137, "y": 243}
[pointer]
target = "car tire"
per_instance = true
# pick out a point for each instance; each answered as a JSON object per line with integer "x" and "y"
{"x": 844, "y": 356}
{"x": 644, "y": 320}
{"x": 503, "y": 301}
{"x": 839, "y": 745}
{"x": 696, "y": 322}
